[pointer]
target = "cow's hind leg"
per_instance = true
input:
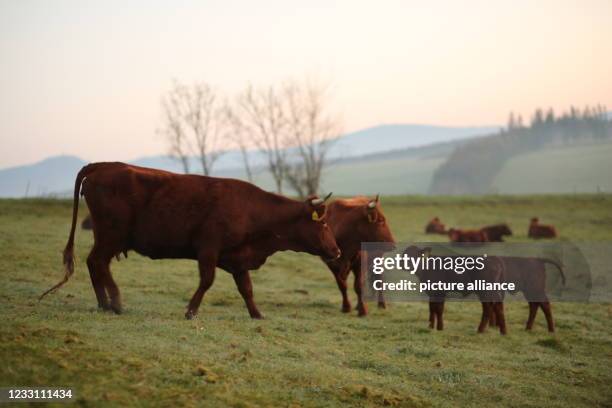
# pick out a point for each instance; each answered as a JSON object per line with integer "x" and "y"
{"x": 206, "y": 265}
{"x": 548, "y": 313}
{"x": 112, "y": 289}
{"x": 500, "y": 318}
{"x": 440, "y": 315}
{"x": 362, "y": 309}
{"x": 95, "y": 264}
{"x": 533, "y": 310}
{"x": 487, "y": 309}
{"x": 245, "y": 287}
{"x": 432, "y": 315}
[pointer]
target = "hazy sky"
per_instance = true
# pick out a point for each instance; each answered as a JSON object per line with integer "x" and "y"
{"x": 85, "y": 78}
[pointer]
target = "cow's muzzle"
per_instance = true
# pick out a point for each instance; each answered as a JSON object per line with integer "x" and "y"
{"x": 338, "y": 255}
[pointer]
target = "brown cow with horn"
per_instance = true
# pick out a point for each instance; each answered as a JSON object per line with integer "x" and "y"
{"x": 218, "y": 222}
{"x": 354, "y": 221}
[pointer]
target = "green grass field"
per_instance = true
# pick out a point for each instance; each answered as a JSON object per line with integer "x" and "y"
{"x": 567, "y": 169}
{"x": 305, "y": 353}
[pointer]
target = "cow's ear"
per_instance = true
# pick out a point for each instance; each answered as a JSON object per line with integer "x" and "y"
{"x": 370, "y": 210}
{"x": 371, "y": 214}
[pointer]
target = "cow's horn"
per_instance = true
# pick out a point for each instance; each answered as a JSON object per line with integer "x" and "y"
{"x": 319, "y": 201}
{"x": 316, "y": 201}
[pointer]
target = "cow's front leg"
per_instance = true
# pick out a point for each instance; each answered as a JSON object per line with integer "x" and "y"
{"x": 245, "y": 287}
{"x": 206, "y": 264}
{"x": 340, "y": 274}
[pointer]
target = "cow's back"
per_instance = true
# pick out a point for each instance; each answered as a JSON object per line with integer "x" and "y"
{"x": 161, "y": 214}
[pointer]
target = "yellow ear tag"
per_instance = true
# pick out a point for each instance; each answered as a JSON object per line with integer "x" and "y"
{"x": 315, "y": 216}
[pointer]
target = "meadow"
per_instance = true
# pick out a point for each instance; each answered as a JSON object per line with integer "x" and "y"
{"x": 305, "y": 352}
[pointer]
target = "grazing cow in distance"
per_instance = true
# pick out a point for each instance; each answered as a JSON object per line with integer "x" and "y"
{"x": 529, "y": 276}
{"x": 354, "y": 221}
{"x": 537, "y": 230}
{"x": 87, "y": 224}
{"x": 219, "y": 222}
{"x": 435, "y": 227}
{"x": 496, "y": 233}
{"x": 458, "y": 235}
{"x": 491, "y": 301}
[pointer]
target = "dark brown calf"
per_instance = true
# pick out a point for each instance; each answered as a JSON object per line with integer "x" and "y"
{"x": 457, "y": 235}
{"x": 496, "y": 233}
{"x": 492, "y": 301}
{"x": 537, "y": 230}
{"x": 354, "y": 221}
{"x": 435, "y": 227}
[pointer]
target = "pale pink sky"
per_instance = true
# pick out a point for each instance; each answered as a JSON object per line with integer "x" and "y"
{"x": 85, "y": 77}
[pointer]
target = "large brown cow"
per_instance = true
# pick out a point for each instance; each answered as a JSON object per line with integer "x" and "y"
{"x": 354, "y": 221}
{"x": 218, "y": 222}
{"x": 537, "y": 230}
{"x": 492, "y": 301}
{"x": 496, "y": 233}
{"x": 435, "y": 226}
{"x": 458, "y": 235}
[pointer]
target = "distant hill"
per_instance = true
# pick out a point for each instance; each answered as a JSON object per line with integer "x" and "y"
{"x": 473, "y": 167}
{"x": 47, "y": 177}
{"x": 368, "y": 141}
{"x": 55, "y": 176}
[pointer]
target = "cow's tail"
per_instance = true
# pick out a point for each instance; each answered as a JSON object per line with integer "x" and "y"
{"x": 69, "y": 249}
{"x": 558, "y": 265}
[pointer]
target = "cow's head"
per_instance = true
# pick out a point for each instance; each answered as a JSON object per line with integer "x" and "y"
{"x": 371, "y": 224}
{"x": 312, "y": 232}
{"x": 535, "y": 220}
{"x": 416, "y": 252}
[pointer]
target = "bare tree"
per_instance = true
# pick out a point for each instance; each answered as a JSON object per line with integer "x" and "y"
{"x": 193, "y": 124}
{"x": 173, "y": 130}
{"x": 237, "y": 132}
{"x": 311, "y": 132}
{"x": 263, "y": 120}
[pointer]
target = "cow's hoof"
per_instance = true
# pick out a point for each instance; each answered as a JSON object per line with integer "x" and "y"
{"x": 382, "y": 305}
{"x": 117, "y": 309}
{"x": 362, "y": 311}
{"x": 190, "y": 315}
{"x": 104, "y": 306}
{"x": 346, "y": 308}
{"x": 257, "y": 316}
